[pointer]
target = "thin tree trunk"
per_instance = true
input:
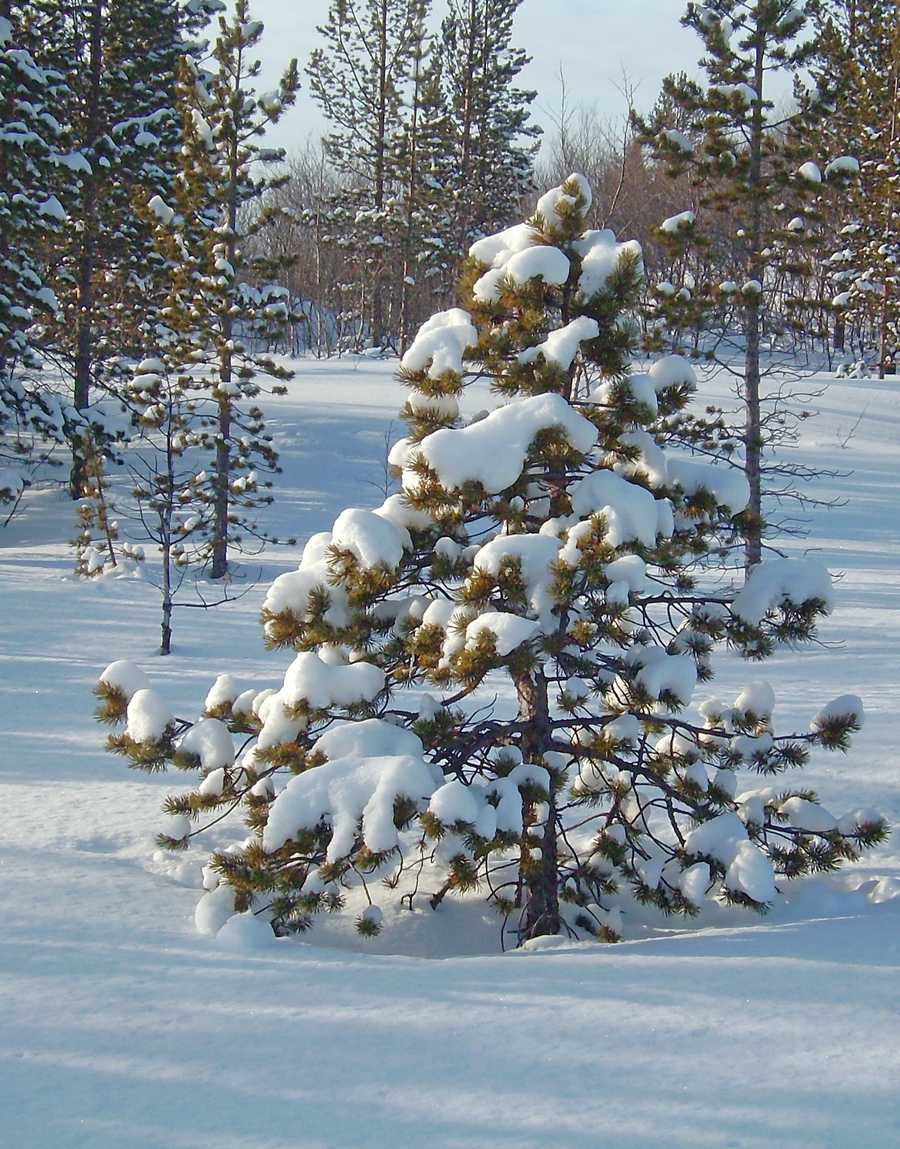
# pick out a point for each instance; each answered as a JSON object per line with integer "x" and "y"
{"x": 753, "y": 442}
{"x": 165, "y": 646}
{"x": 219, "y": 564}
{"x": 886, "y": 305}
{"x": 166, "y": 518}
{"x": 222, "y": 502}
{"x": 85, "y": 297}
{"x": 753, "y": 438}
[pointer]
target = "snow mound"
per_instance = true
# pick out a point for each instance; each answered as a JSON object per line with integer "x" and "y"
{"x": 441, "y": 343}
{"x": 782, "y": 581}
{"x": 492, "y": 451}
{"x": 349, "y": 793}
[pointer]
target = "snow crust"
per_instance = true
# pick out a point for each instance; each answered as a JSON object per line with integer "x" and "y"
{"x": 672, "y": 371}
{"x": 848, "y": 706}
{"x": 678, "y": 140}
{"x": 674, "y": 223}
{"x": 600, "y": 253}
{"x": 534, "y": 554}
{"x": 224, "y": 690}
{"x": 309, "y": 678}
{"x": 161, "y": 209}
{"x": 515, "y": 253}
{"x": 547, "y": 263}
{"x": 842, "y": 165}
{"x": 561, "y": 346}
{"x": 211, "y": 741}
{"x": 550, "y": 202}
{"x": 630, "y": 511}
{"x": 725, "y": 840}
{"x": 372, "y": 737}
{"x": 125, "y": 676}
{"x": 727, "y": 484}
{"x": 508, "y": 630}
{"x": 374, "y": 539}
{"x": 453, "y": 802}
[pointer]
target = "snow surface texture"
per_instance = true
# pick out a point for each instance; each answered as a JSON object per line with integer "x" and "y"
{"x": 123, "y": 1025}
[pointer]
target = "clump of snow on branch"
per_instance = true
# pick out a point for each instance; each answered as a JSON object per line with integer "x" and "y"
{"x": 492, "y": 451}
{"x": 783, "y": 581}
{"x": 441, "y": 343}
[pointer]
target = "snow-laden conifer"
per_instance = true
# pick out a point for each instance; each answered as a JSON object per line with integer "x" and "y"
{"x": 120, "y": 63}
{"x": 494, "y": 683}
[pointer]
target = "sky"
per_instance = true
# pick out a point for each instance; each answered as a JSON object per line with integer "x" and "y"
{"x": 594, "y": 43}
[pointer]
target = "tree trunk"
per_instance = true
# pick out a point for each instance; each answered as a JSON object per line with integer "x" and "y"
{"x": 87, "y": 259}
{"x": 541, "y": 915}
{"x": 753, "y": 442}
{"x": 165, "y": 646}
{"x": 219, "y": 564}
{"x": 753, "y": 438}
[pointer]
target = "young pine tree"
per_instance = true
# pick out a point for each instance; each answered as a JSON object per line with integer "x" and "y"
{"x": 203, "y": 332}
{"x": 494, "y": 672}
{"x": 359, "y": 79}
{"x": 750, "y": 161}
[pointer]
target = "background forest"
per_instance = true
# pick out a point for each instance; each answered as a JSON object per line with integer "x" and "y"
{"x": 128, "y": 138}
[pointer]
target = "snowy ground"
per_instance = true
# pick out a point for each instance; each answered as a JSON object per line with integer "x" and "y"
{"x": 123, "y": 1027}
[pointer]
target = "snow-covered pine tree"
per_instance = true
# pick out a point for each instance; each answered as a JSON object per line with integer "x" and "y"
{"x": 359, "y": 79}
{"x": 863, "y": 42}
{"x": 750, "y": 159}
{"x": 168, "y": 489}
{"x": 202, "y": 335}
{"x": 118, "y": 105}
{"x": 494, "y": 674}
{"x": 31, "y": 140}
{"x": 491, "y": 133}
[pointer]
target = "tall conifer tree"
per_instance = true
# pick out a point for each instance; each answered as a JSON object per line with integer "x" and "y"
{"x": 121, "y": 64}
{"x": 203, "y": 333}
{"x": 490, "y": 121}
{"x": 360, "y": 79}
{"x": 32, "y": 146}
{"x": 752, "y": 165}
